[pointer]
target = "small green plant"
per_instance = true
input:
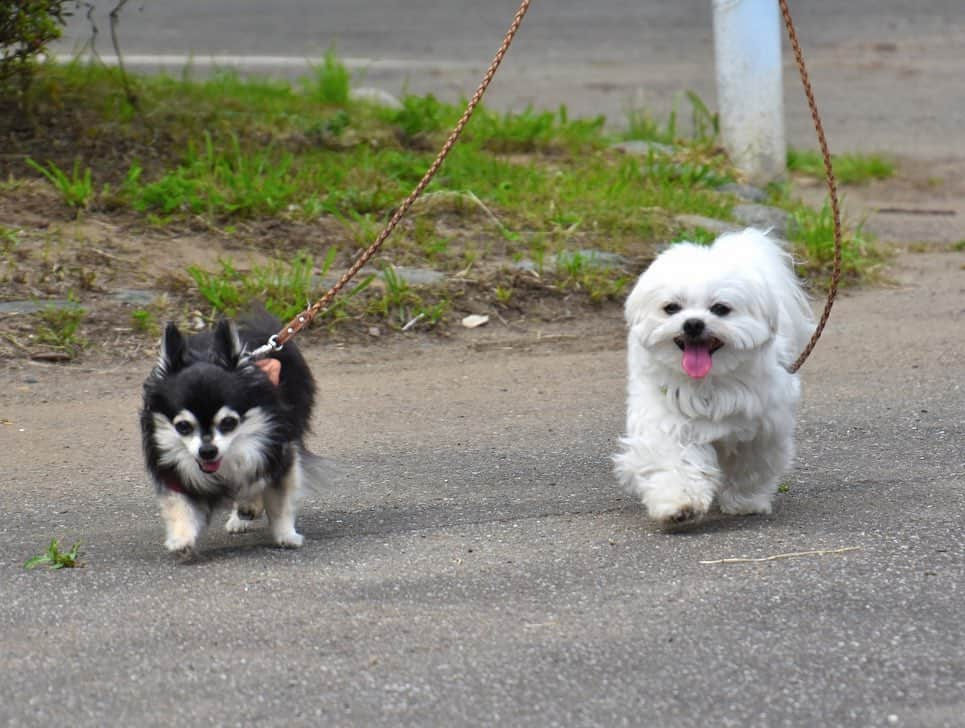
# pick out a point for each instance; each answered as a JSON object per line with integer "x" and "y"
{"x": 641, "y": 125}
{"x": 784, "y": 488}
{"x": 76, "y": 189}
{"x": 537, "y": 251}
{"x": 574, "y": 264}
{"x": 398, "y": 301}
{"x": 55, "y": 558}
{"x": 331, "y": 83}
{"x": 59, "y": 327}
{"x": 853, "y": 169}
{"x": 433, "y": 314}
{"x": 704, "y": 129}
{"x": 705, "y": 126}
{"x": 504, "y": 294}
{"x": 144, "y": 321}
{"x": 420, "y": 115}
{"x": 584, "y": 272}
{"x": 9, "y": 239}
{"x": 812, "y": 232}
{"x": 698, "y": 235}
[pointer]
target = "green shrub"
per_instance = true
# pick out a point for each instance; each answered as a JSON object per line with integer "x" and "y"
{"x": 26, "y": 27}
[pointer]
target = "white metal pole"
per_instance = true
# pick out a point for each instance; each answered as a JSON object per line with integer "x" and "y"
{"x": 750, "y": 100}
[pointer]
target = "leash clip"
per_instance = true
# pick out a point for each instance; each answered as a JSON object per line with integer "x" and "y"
{"x": 262, "y": 351}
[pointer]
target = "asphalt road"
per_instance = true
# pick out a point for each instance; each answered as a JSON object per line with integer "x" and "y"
{"x": 477, "y": 563}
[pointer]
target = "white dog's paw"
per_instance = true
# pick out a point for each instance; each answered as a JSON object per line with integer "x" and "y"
{"x": 677, "y": 509}
{"x": 290, "y": 540}
{"x": 740, "y": 504}
{"x": 181, "y": 546}
{"x": 235, "y": 524}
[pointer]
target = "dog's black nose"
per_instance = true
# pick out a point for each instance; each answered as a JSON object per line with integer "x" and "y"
{"x": 208, "y": 451}
{"x": 694, "y": 327}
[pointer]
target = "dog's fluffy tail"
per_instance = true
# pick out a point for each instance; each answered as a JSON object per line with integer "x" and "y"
{"x": 796, "y": 319}
{"x": 319, "y": 473}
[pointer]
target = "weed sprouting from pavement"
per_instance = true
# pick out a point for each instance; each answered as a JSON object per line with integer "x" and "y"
{"x": 55, "y": 558}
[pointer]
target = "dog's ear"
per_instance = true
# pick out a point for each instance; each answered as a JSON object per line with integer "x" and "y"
{"x": 638, "y": 303}
{"x": 173, "y": 350}
{"x": 227, "y": 344}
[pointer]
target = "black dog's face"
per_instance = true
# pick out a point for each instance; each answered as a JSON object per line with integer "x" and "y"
{"x": 207, "y": 416}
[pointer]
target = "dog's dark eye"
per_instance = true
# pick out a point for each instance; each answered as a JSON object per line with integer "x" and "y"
{"x": 184, "y": 427}
{"x": 720, "y": 309}
{"x": 671, "y": 308}
{"x": 228, "y": 424}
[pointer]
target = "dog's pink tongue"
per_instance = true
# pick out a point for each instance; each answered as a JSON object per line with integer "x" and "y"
{"x": 696, "y": 361}
{"x": 210, "y": 466}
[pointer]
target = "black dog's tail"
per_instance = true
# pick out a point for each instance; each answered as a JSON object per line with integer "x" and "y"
{"x": 319, "y": 473}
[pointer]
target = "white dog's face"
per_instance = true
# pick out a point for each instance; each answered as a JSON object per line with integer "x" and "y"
{"x": 700, "y": 313}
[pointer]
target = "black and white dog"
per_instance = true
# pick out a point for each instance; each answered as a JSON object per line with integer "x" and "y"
{"x": 218, "y": 429}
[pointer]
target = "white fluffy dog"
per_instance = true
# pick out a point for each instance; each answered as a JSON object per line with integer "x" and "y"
{"x": 711, "y": 404}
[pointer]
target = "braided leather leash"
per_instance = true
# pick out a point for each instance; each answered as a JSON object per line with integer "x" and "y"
{"x": 832, "y": 187}
{"x": 278, "y": 340}
{"x": 305, "y": 318}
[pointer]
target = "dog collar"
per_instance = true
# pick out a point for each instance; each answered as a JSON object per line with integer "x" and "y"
{"x": 173, "y": 484}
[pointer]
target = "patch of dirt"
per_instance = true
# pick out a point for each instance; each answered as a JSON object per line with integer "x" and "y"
{"x": 113, "y": 263}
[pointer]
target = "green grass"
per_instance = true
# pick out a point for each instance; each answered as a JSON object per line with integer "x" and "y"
{"x": 330, "y": 84}
{"x": 811, "y": 233}
{"x": 849, "y": 169}
{"x": 581, "y": 272}
{"x": 55, "y": 558}
{"x": 398, "y": 304}
{"x": 59, "y": 327}
{"x": 703, "y": 131}
{"x": 243, "y": 149}
{"x": 219, "y": 182}
{"x": 284, "y": 288}
{"x": 228, "y": 151}
{"x": 76, "y": 189}
{"x": 9, "y": 239}
{"x": 145, "y": 321}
